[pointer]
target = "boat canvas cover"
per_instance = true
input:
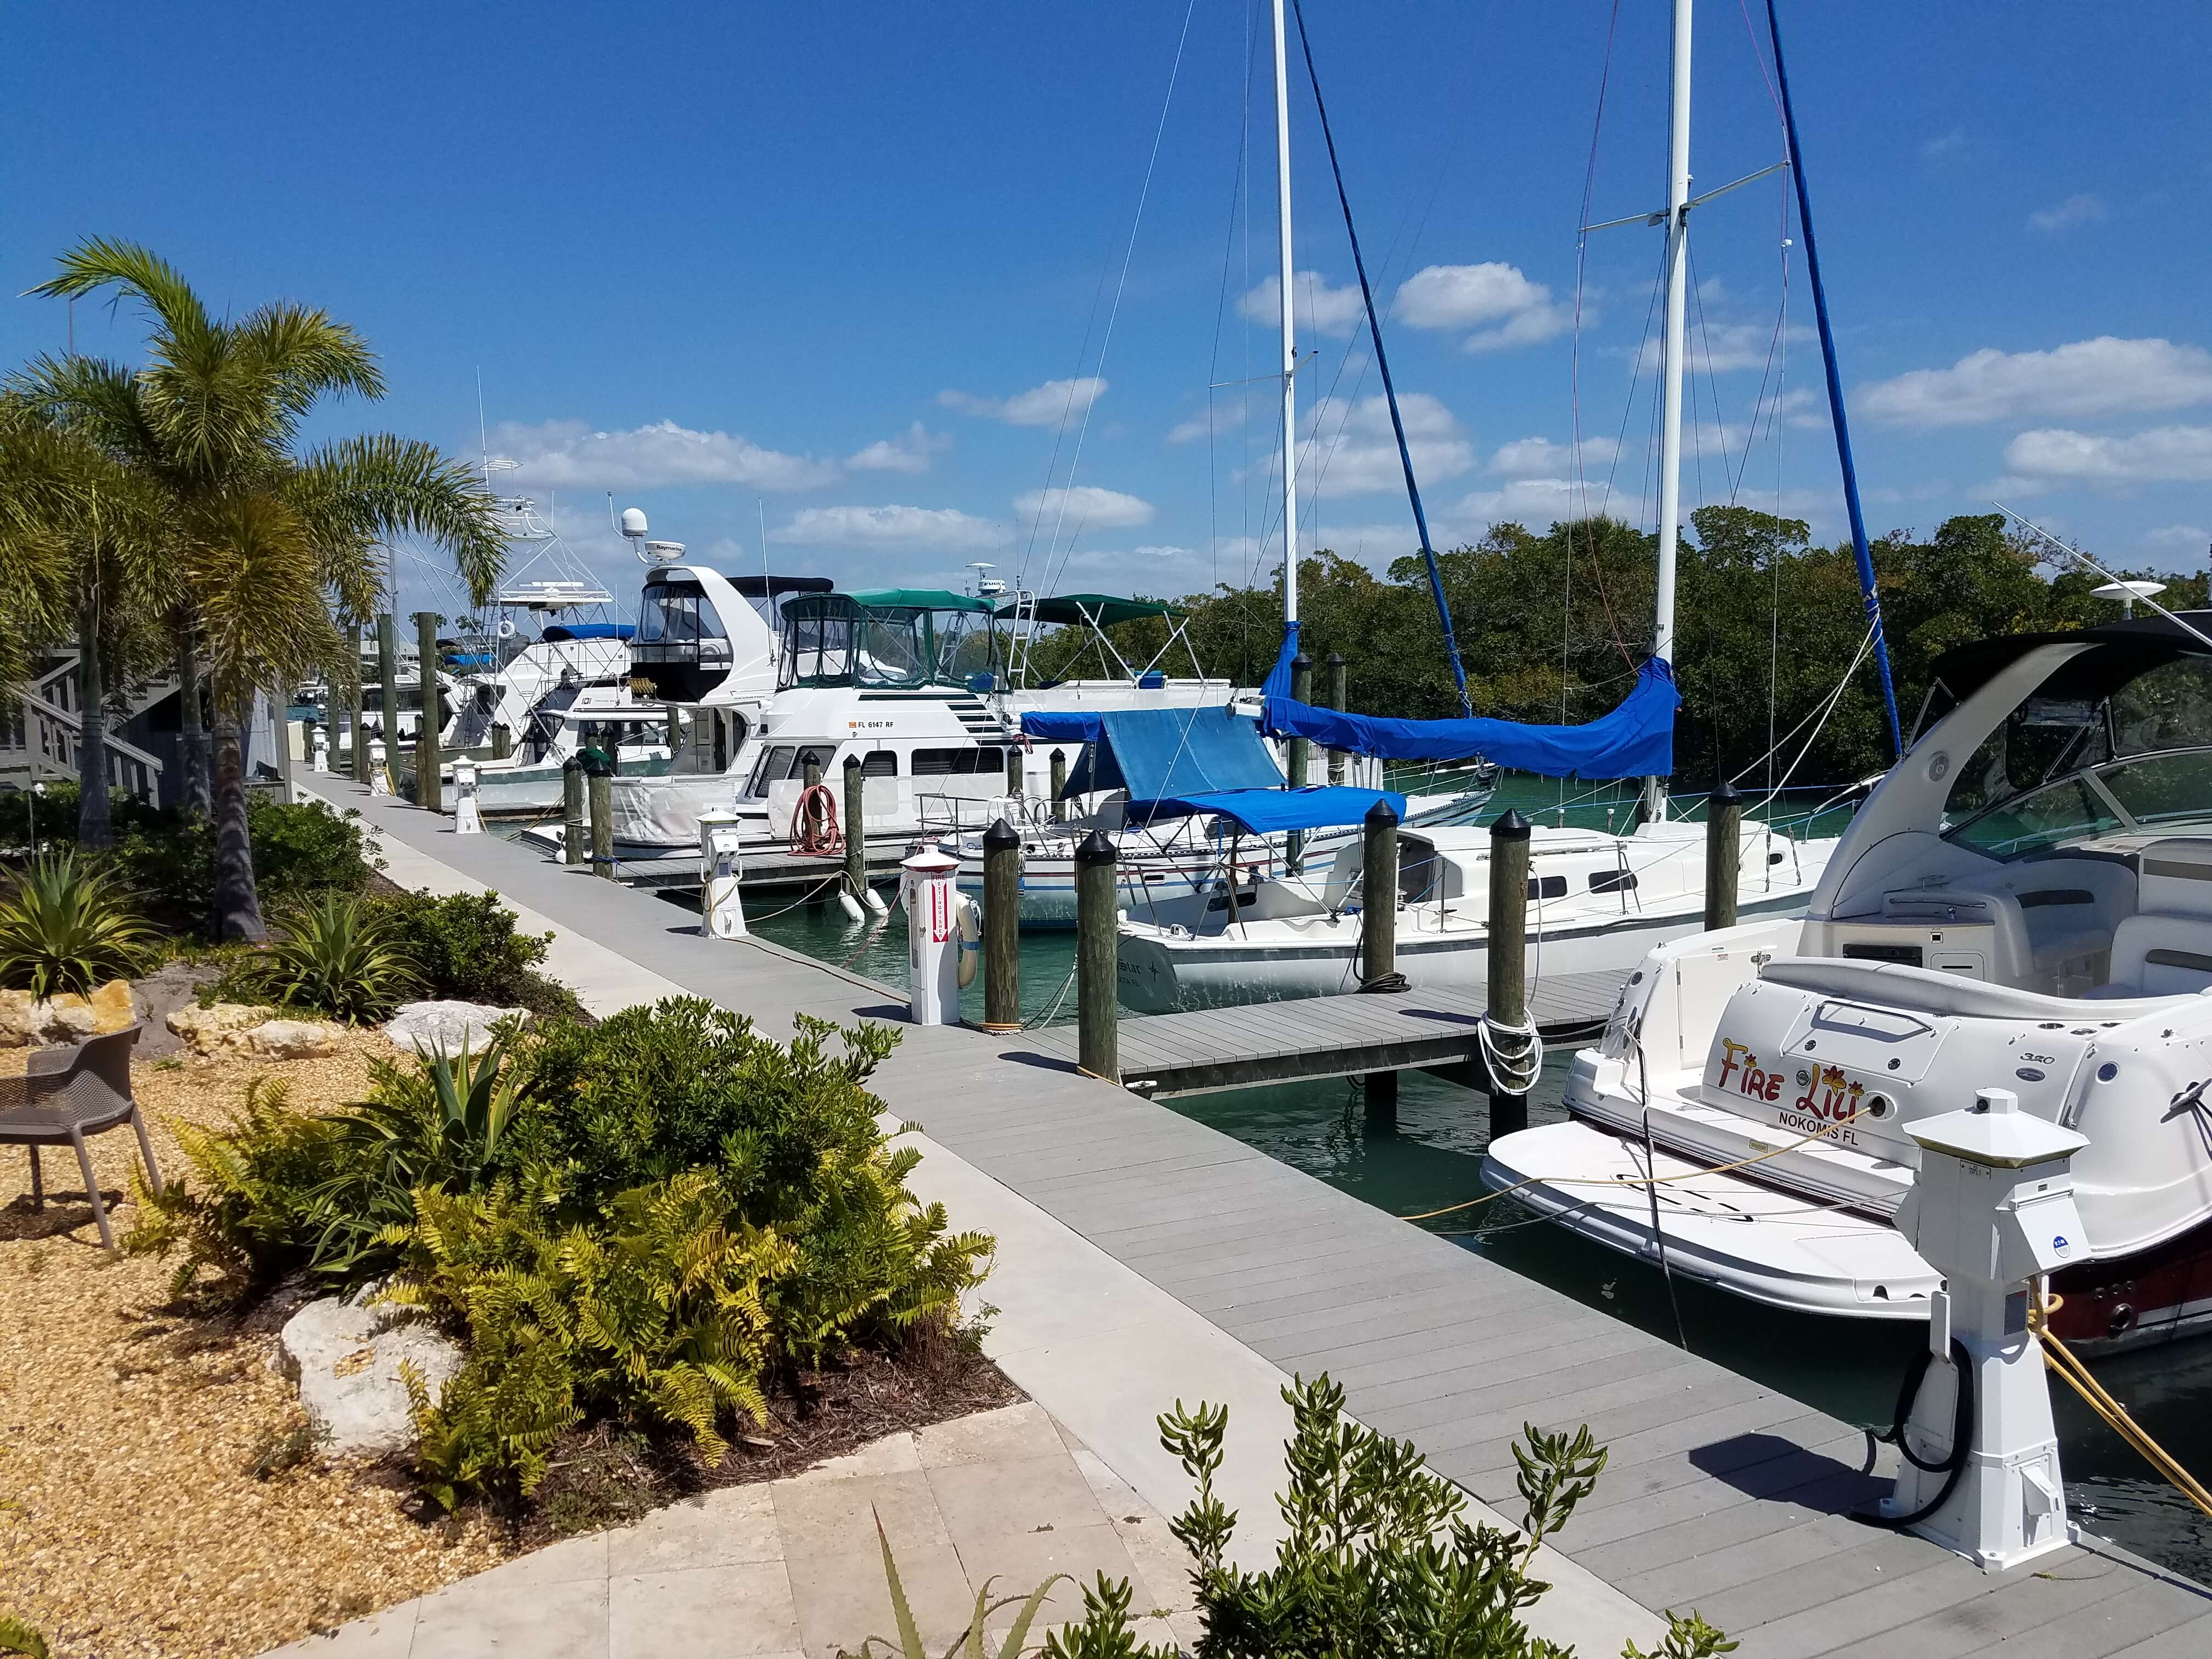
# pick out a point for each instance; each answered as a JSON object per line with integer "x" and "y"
{"x": 1266, "y": 812}
{"x": 1636, "y": 740}
{"x": 1153, "y": 753}
{"x": 1103, "y": 610}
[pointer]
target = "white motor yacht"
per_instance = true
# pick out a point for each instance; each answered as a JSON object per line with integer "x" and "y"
{"x": 2024, "y": 903}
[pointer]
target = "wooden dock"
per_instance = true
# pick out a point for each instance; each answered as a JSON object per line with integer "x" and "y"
{"x": 1165, "y": 1055}
{"x": 1720, "y": 1493}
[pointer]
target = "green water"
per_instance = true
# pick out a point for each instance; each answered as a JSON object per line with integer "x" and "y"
{"x": 1433, "y": 1157}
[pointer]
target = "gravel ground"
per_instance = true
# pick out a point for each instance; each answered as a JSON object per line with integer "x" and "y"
{"x": 131, "y": 1522}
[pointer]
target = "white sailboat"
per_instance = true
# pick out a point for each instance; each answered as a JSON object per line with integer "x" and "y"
{"x": 1601, "y": 901}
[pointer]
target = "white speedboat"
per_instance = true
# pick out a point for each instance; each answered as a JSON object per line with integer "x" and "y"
{"x": 1596, "y": 901}
{"x": 2024, "y": 903}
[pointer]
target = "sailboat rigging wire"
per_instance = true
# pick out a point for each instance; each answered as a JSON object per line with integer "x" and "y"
{"x": 2076, "y": 552}
{"x": 1106, "y": 340}
{"x": 1383, "y": 367}
{"x": 1864, "y": 554}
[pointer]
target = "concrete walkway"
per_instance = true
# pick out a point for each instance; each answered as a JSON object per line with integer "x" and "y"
{"x": 790, "y": 1568}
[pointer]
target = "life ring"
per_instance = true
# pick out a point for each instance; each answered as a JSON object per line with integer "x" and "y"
{"x": 971, "y": 940}
{"x": 505, "y": 630}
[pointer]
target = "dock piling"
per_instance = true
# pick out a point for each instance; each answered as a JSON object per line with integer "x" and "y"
{"x": 856, "y": 840}
{"x": 359, "y": 695}
{"x": 599, "y": 778}
{"x": 1336, "y": 756}
{"x": 1724, "y": 855}
{"x": 1014, "y": 771}
{"x": 674, "y": 735}
{"x": 1096, "y": 955}
{"x": 1059, "y": 786}
{"x": 1380, "y": 1091}
{"x": 572, "y": 810}
{"x": 1507, "y": 1013}
{"x": 1002, "y": 928}
{"x": 503, "y": 740}
{"x": 426, "y": 792}
{"x": 1294, "y": 851}
{"x": 1378, "y": 902}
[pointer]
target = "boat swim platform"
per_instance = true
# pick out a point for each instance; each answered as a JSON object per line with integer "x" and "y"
{"x": 1719, "y": 1493}
{"x": 1312, "y": 1038}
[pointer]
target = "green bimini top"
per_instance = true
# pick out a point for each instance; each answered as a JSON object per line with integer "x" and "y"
{"x": 1101, "y": 610}
{"x": 919, "y": 599}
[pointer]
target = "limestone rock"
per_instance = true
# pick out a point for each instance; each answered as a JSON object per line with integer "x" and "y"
{"x": 345, "y": 1357}
{"x": 220, "y": 1029}
{"x": 448, "y": 1027}
{"x": 24, "y": 1019}
{"x": 294, "y": 1039}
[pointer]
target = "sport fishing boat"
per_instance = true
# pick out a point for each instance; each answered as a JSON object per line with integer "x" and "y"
{"x": 2025, "y": 903}
{"x": 906, "y": 681}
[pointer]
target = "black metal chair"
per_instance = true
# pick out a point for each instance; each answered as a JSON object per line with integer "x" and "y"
{"x": 68, "y": 1094}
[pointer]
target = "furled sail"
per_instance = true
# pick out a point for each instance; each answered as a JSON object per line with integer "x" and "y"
{"x": 1636, "y": 740}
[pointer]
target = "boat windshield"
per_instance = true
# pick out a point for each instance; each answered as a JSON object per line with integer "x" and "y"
{"x": 831, "y": 640}
{"x": 2079, "y": 759}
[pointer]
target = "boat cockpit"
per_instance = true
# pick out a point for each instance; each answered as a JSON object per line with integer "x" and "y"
{"x": 895, "y": 639}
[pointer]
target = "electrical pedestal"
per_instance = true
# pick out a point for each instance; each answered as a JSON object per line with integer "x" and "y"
{"x": 928, "y": 886}
{"x": 720, "y": 866}
{"x": 1992, "y": 1210}
{"x": 467, "y": 820}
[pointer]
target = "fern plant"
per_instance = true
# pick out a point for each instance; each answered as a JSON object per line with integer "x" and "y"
{"x": 68, "y": 928}
{"x": 337, "y": 957}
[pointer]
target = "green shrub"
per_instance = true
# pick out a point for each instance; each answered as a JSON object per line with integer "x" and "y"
{"x": 299, "y": 851}
{"x": 68, "y": 926}
{"x": 1379, "y": 1557}
{"x": 465, "y": 945}
{"x": 643, "y": 1220}
{"x": 335, "y": 956}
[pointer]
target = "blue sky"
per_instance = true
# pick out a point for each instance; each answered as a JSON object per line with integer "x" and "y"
{"x": 851, "y": 269}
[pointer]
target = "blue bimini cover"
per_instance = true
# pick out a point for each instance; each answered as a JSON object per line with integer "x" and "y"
{"x": 1264, "y": 811}
{"x": 1636, "y": 740}
{"x": 1155, "y": 752}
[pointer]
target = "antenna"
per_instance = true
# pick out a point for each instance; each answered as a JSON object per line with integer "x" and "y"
{"x": 483, "y": 439}
{"x": 760, "y": 507}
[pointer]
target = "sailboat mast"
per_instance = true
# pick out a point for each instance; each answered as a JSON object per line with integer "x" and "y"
{"x": 1290, "y": 342}
{"x": 1670, "y": 427}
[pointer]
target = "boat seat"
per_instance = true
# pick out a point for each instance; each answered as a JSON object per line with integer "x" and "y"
{"x": 2160, "y": 955}
{"x": 1931, "y": 990}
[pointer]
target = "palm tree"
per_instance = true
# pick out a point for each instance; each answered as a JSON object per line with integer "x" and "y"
{"x": 270, "y": 540}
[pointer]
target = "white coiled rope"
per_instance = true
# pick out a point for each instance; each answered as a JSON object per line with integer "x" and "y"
{"x": 1515, "y": 1072}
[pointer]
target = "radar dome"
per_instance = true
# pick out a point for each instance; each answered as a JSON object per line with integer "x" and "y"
{"x": 633, "y": 522}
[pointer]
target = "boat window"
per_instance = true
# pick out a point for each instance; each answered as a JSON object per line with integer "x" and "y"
{"x": 956, "y": 763}
{"x": 883, "y": 763}
{"x": 895, "y": 649}
{"x": 2066, "y": 810}
{"x": 1612, "y": 881}
{"x": 2170, "y": 707}
{"x": 678, "y": 613}
{"x": 817, "y": 646}
{"x": 774, "y": 766}
{"x": 1547, "y": 887}
{"x": 2163, "y": 788}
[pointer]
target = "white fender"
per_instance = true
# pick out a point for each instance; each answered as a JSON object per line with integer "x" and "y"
{"x": 851, "y": 907}
{"x": 971, "y": 940}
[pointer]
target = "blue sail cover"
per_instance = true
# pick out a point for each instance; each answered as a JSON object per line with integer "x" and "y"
{"x": 1636, "y": 740}
{"x": 1267, "y": 811}
{"x": 1156, "y": 752}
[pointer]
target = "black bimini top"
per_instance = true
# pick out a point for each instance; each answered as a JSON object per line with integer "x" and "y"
{"x": 2127, "y": 649}
{"x": 767, "y": 587}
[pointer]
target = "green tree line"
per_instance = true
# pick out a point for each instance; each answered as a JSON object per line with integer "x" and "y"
{"x": 1552, "y": 628}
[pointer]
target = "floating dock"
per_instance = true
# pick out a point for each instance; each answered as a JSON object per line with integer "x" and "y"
{"x": 1719, "y": 1492}
{"x": 1165, "y": 1055}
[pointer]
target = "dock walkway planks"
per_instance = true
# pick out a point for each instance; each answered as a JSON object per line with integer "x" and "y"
{"x": 1164, "y": 1055}
{"x": 1720, "y": 1494}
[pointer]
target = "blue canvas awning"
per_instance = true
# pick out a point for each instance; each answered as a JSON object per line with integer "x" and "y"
{"x": 1156, "y": 752}
{"x": 1636, "y": 740}
{"x": 1265, "y": 812}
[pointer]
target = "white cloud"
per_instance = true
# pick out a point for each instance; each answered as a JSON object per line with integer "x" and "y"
{"x": 1537, "y": 502}
{"x": 1082, "y": 505}
{"x": 2103, "y": 376}
{"x": 1494, "y": 298}
{"x": 1945, "y": 144}
{"x": 1317, "y": 306}
{"x": 569, "y": 455}
{"x": 1354, "y": 450}
{"x": 937, "y": 529}
{"x": 2079, "y": 209}
{"x": 912, "y": 451}
{"x": 1718, "y": 348}
{"x": 2165, "y": 454}
{"x": 1223, "y": 417}
{"x": 1528, "y": 457}
{"x": 2189, "y": 536}
{"x": 1041, "y": 405}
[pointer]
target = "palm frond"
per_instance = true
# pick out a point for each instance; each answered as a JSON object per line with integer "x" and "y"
{"x": 99, "y": 262}
{"x": 377, "y": 486}
{"x": 253, "y": 571}
{"x": 308, "y": 355}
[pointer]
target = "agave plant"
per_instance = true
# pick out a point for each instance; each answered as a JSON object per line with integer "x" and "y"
{"x": 972, "y": 1644}
{"x": 68, "y": 928}
{"x": 338, "y": 955}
